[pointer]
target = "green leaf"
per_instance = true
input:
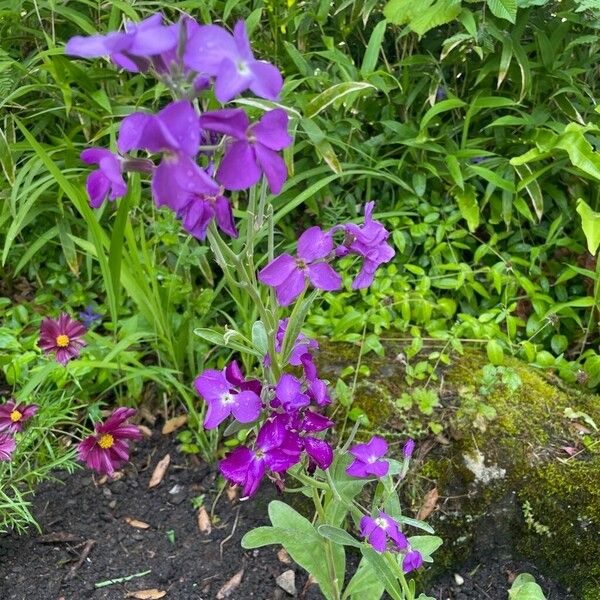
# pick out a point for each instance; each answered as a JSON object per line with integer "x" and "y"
{"x": 259, "y": 337}
{"x": 338, "y": 536}
{"x": 365, "y": 583}
{"x": 306, "y": 546}
{"x": 590, "y": 222}
{"x": 494, "y": 352}
{"x": 504, "y": 9}
{"x": 468, "y": 206}
{"x": 335, "y": 92}
{"x": 373, "y": 48}
{"x": 384, "y": 571}
{"x": 443, "y": 11}
{"x": 423, "y": 15}
{"x": 525, "y": 588}
{"x": 426, "y": 545}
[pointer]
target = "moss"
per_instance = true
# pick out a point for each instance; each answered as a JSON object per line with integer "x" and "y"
{"x": 566, "y": 495}
{"x": 525, "y": 439}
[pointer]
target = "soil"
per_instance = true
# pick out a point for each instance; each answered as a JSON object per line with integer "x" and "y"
{"x": 86, "y": 540}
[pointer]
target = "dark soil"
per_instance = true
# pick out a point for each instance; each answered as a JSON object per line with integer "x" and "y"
{"x": 86, "y": 540}
{"x": 182, "y": 561}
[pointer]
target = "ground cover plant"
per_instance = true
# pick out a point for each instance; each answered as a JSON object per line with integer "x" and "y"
{"x": 184, "y": 224}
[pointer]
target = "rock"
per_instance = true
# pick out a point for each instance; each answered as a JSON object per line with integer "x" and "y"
{"x": 287, "y": 582}
{"x": 507, "y": 486}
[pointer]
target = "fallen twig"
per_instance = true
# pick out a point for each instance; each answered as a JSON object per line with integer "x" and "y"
{"x": 84, "y": 554}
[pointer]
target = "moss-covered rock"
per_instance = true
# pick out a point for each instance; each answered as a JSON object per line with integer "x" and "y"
{"x": 525, "y": 483}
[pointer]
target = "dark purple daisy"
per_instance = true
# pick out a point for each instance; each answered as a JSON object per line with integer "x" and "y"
{"x": 108, "y": 448}
{"x": 13, "y": 415}
{"x": 367, "y": 459}
{"x": 7, "y": 446}
{"x": 381, "y": 530}
{"x": 63, "y": 337}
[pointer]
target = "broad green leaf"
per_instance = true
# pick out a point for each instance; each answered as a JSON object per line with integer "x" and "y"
{"x": 524, "y": 587}
{"x": 335, "y": 92}
{"x": 468, "y": 206}
{"x": 373, "y": 48}
{"x": 426, "y": 545}
{"x": 338, "y": 536}
{"x": 441, "y": 12}
{"x": 423, "y": 15}
{"x": 454, "y": 170}
{"x": 504, "y": 9}
{"x": 495, "y": 353}
{"x": 365, "y": 583}
{"x": 306, "y": 546}
{"x": 590, "y": 222}
{"x": 259, "y": 337}
{"x": 400, "y": 12}
{"x": 264, "y": 536}
{"x": 440, "y": 107}
{"x": 385, "y": 572}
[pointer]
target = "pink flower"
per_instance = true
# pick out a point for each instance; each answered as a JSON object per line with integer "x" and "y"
{"x": 12, "y": 415}
{"x": 108, "y": 449}
{"x": 63, "y": 337}
{"x": 7, "y": 446}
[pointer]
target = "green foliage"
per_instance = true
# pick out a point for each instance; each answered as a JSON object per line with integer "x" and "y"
{"x": 524, "y": 587}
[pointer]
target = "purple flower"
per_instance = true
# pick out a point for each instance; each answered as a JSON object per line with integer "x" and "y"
{"x": 198, "y": 213}
{"x": 381, "y": 530}
{"x": 226, "y": 397}
{"x": 63, "y": 337}
{"x": 289, "y": 275}
{"x": 319, "y": 451}
{"x": 288, "y": 392}
{"x": 275, "y": 449}
{"x": 214, "y": 51}
{"x": 89, "y": 317}
{"x": 130, "y": 49}
{"x": 254, "y": 149}
{"x": 106, "y": 182}
{"x": 368, "y": 241}
{"x": 13, "y": 415}
{"x": 476, "y": 160}
{"x": 317, "y": 389}
{"x": 408, "y": 448}
{"x": 440, "y": 94}
{"x": 175, "y": 132}
{"x": 7, "y": 446}
{"x": 367, "y": 459}
{"x": 302, "y": 345}
{"x": 108, "y": 449}
{"x": 412, "y": 561}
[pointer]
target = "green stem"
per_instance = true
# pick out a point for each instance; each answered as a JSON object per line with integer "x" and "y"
{"x": 393, "y": 562}
{"x": 328, "y": 551}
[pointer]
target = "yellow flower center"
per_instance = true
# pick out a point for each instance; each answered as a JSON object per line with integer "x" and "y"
{"x": 15, "y": 416}
{"x": 106, "y": 441}
{"x": 62, "y": 341}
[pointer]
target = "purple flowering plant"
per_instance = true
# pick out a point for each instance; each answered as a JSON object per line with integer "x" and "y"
{"x": 205, "y": 153}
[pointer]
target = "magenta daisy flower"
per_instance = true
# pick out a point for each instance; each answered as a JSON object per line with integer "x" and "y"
{"x": 13, "y": 415}
{"x": 7, "y": 446}
{"x": 63, "y": 337}
{"x": 108, "y": 449}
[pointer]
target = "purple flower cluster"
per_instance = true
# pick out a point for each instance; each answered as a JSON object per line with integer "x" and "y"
{"x": 288, "y": 409}
{"x": 236, "y": 153}
{"x": 12, "y": 417}
{"x": 289, "y": 275}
